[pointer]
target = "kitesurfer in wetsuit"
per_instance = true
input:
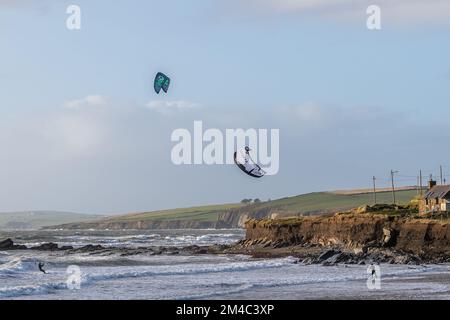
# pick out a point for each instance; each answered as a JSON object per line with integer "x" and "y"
{"x": 41, "y": 267}
{"x": 246, "y": 164}
{"x": 247, "y": 160}
{"x": 247, "y": 153}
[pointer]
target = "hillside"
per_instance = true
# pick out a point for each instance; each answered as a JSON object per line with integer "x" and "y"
{"x": 309, "y": 204}
{"x": 202, "y": 217}
{"x": 331, "y": 201}
{"x": 234, "y": 215}
{"x": 38, "y": 219}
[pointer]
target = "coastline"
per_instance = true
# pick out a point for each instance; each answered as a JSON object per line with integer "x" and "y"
{"x": 356, "y": 237}
{"x": 226, "y": 271}
{"x": 350, "y": 237}
{"x": 304, "y": 254}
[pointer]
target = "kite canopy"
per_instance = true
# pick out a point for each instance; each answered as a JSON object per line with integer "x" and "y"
{"x": 246, "y": 164}
{"x": 161, "y": 82}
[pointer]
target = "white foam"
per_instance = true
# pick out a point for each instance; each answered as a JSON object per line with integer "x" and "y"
{"x": 31, "y": 290}
{"x": 233, "y": 285}
{"x": 88, "y": 279}
{"x": 18, "y": 264}
{"x": 266, "y": 283}
{"x": 197, "y": 269}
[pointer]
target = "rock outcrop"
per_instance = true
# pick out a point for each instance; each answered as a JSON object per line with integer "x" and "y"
{"x": 351, "y": 232}
{"x": 236, "y": 218}
{"x": 92, "y": 249}
{"x": 46, "y": 247}
{"x": 8, "y": 244}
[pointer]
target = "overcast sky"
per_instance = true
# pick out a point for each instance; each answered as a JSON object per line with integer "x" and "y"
{"x": 81, "y": 128}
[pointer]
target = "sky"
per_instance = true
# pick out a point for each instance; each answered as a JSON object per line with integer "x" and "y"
{"x": 82, "y": 130}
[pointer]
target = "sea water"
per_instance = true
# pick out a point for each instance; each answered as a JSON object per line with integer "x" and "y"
{"x": 108, "y": 275}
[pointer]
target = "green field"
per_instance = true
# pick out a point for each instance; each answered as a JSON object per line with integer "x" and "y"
{"x": 202, "y": 213}
{"x": 307, "y": 203}
{"x": 322, "y": 201}
{"x": 38, "y": 219}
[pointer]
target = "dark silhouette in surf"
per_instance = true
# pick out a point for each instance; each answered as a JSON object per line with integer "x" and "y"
{"x": 41, "y": 267}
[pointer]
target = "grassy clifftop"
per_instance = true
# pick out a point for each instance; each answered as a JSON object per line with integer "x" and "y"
{"x": 323, "y": 201}
{"x": 201, "y": 213}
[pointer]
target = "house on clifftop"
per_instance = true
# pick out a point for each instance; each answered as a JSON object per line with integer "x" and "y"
{"x": 437, "y": 199}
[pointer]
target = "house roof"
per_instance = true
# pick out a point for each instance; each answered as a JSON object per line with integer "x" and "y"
{"x": 437, "y": 192}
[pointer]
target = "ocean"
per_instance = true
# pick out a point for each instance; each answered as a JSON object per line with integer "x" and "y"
{"x": 112, "y": 275}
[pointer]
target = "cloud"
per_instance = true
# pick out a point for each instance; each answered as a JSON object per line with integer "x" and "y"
{"x": 394, "y": 12}
{"x": 171, "y": 106}
{"x": 91, "y": 100}
{"x": 75, "y": 135}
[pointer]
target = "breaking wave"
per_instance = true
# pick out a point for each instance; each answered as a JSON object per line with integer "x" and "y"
{"x": 87, "y": 279}
{"x": 18, "y": 265}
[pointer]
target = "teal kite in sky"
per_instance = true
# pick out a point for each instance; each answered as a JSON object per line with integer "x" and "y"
{"x": 161, "y": 82}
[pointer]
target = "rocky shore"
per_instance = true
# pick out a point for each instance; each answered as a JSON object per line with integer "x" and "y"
{"x": 306, "y": 253}
{"x": 332, "y": 255}
{"x": 9, "y": 245}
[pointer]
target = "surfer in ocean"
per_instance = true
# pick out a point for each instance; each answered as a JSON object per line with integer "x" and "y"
{"x": 41, "y": 267}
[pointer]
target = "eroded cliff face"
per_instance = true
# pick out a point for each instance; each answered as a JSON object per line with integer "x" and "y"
{"x": 237, "y": 218}
{"x": 354, "y": 231}
{"x": 138, "y": 225}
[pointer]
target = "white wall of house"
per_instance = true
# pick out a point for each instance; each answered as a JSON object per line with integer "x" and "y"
{"x": 445, "y": 205}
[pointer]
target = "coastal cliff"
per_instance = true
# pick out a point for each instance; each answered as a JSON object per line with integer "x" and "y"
{"x": 367, "y": 235}
{"x": 236, "y": 218}
{"x": 137, "y": 225}
{"x": 353, "y": 231}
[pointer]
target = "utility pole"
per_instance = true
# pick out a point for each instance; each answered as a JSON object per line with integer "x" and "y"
{"x": 420, "y": 178}
{"x": 374, "y": 191}
{"x": 440, "y": 171}
{"x": 393, "y": 187}
{"x": 417, "y": 186}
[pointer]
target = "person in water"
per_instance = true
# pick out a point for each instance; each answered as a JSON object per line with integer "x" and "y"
{"x": 41, "y": 267}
